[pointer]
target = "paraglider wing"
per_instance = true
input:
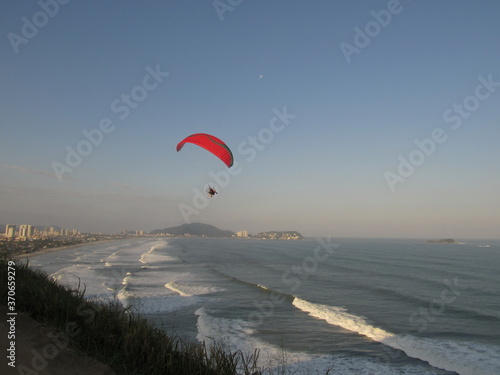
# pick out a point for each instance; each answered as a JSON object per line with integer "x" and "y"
{"x": 210, "y": 143}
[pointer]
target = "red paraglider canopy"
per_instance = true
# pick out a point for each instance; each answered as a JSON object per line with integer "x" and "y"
{"x": 210, "y": 143}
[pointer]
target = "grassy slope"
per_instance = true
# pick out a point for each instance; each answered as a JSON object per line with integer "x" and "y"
{"x": 113, "y": 335}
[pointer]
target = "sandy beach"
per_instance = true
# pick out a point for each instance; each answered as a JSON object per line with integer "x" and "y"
{"x": 60, "y": 248}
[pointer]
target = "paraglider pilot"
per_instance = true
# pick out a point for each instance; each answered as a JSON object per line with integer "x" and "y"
{"x": 211, "y": 191}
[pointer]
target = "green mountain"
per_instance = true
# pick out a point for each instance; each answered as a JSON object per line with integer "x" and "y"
{"x": 195, "y": 229}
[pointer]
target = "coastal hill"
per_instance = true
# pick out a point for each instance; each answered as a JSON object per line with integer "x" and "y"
{"x": 195, "y": 229}
{"x": 449, "y": 241}
{"x": 206, "y": 230}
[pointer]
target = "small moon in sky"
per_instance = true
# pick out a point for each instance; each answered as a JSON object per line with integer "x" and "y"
{"x": 261, "y": 76}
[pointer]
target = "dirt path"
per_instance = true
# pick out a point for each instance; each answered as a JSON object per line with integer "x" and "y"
{"x": 40, "y": 350}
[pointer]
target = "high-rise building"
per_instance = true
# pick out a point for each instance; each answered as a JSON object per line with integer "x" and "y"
{"x": 26, "y": 231}
{"x": 10, "y": 231}
{"x": 23, "y": 230}
{"x": 242, "y": 233}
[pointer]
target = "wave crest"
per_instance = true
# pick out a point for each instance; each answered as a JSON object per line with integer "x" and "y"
{"x": 466, "y": 358}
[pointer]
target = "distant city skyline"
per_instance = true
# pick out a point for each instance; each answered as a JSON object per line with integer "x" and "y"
{"x": 349, "y": 119}
{"x": 29, "y": 231}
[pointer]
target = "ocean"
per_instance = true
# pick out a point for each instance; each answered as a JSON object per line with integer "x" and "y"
{"x": 355, "y": 306}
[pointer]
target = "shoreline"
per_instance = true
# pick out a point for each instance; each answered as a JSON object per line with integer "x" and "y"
{"x": 61, "y": 248}
{"x": 59, "y": 331}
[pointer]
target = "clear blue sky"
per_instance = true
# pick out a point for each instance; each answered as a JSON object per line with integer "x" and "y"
{"x": 360, "y": 81}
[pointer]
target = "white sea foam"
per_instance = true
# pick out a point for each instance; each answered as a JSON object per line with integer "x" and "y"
{"x": 190, "y": 290}
{"x": 176, "y": 288}
{"x": 463, "y": 357}
{"x": 237, "y": 334}
{"x": 163, "y": 304}
{"x": 84, "y": 277}
{"x": 115, "y": 254}
{"x": 263, "y": 287}
{"x": 340, "y": 317}
{"x": 101, "y": 270}
{"x": 153, "y": 292}
{"x": 151, "y": 257}
{"x": 234, "y": 334}
{"x": 155, "y": 300}
{"x": 126, "y": 279}
{"x": 179, "y": 285}
{"x": 124, "y": 296}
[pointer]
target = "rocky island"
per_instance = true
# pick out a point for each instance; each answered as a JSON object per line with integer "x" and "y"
{"x": 448, "y": 241}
